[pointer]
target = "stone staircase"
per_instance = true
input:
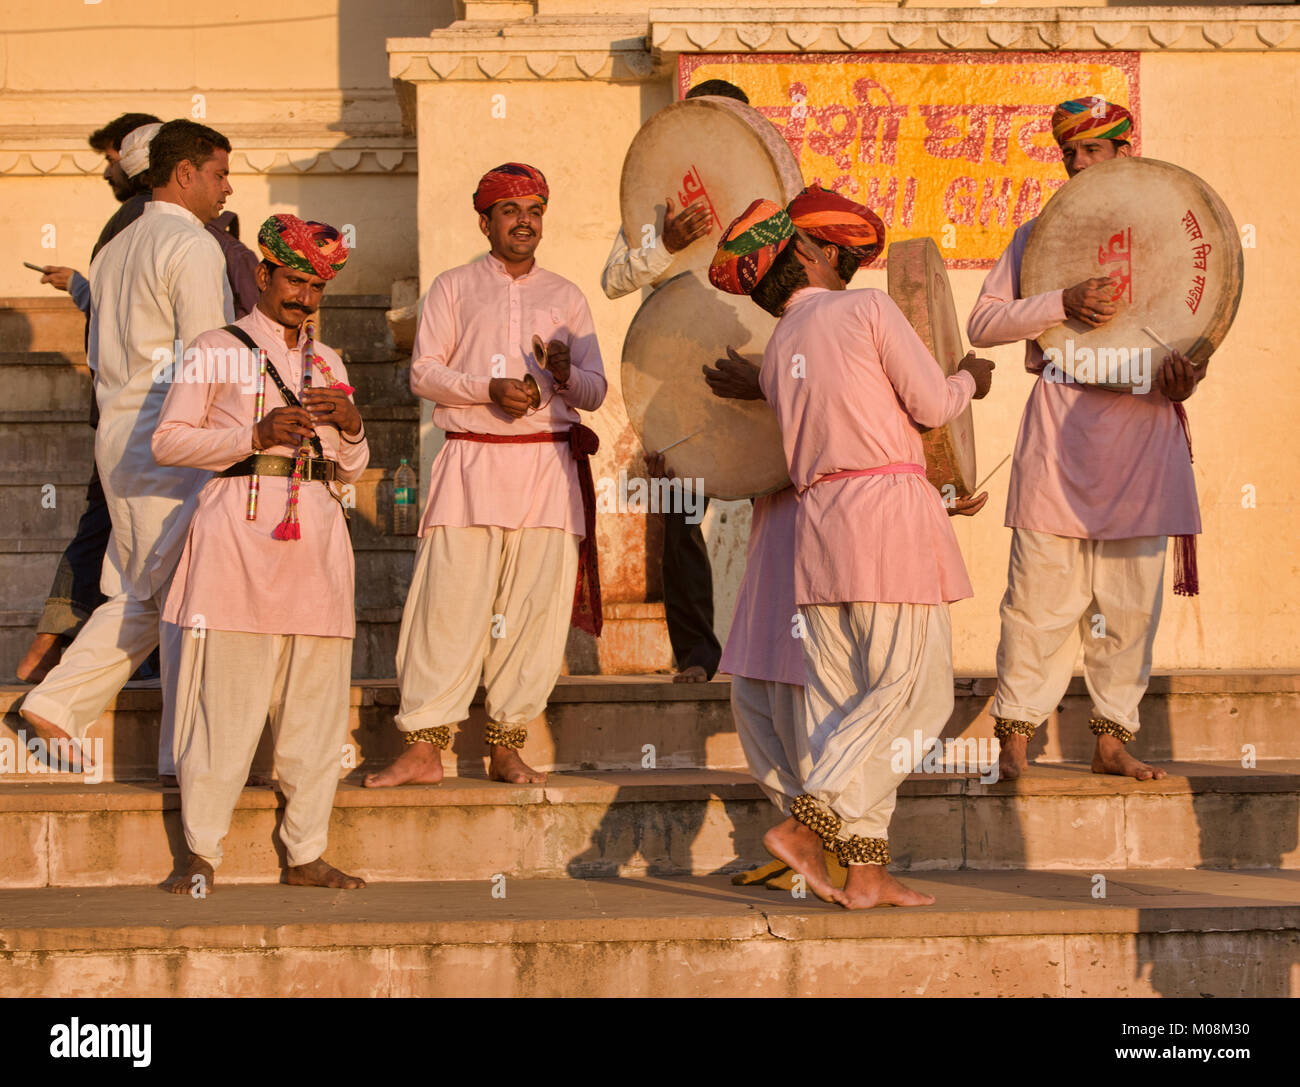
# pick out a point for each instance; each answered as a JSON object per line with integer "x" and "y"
{"x": 44, "y": 439}
{"x": 612, "y": 879}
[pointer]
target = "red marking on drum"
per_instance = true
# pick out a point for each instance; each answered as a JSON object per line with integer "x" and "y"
{"x": 1200, "y": 259}
{"x": 692, "y": 189}
{"x": 1119, "y": 251}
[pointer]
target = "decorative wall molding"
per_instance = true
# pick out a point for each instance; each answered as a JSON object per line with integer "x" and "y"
{"x": 57, "y": 162}
{"x": 619, "y": 49}
{"x": 850, "y": 30}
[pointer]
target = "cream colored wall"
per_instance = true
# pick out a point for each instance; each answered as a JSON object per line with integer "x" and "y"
{"x": 287, "y": 84}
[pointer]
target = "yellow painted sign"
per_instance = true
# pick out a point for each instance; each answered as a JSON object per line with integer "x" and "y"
{"x": 954, "y": 146}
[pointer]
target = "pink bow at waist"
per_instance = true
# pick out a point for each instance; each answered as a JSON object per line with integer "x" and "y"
{"x": 880, "y": 470}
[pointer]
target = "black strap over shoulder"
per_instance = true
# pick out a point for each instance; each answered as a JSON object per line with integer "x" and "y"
{"x": 287, "y": 393}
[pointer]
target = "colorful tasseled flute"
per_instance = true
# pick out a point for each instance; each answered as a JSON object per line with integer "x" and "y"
{"x": 259, "y": 409}
{"x": 289, "y": 528}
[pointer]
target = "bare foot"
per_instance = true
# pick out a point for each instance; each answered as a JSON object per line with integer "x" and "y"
{"x": 504, "y": 764}
{"x": 62, "y": 750}
{"x": 1111, "y": 758}
{"x": 320, "y": 873}
{"x": 42, "y": 655}
{"x": 792, "y": 842}
{"x": 419, "y": 764}
{"x": 1013, "y": 759}
{"x": 256, "y": 779}
{"x": 871, "y": 885}
{"x": 694, "y": 674}
{"x": 196, "y": 879}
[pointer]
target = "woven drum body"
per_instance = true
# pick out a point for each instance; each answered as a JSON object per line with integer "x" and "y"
{"x": 734, "y": 445}
{"x": 918, "y": 284}
{"x": 712, "y": 149}
{"x": 1172, "y": 246}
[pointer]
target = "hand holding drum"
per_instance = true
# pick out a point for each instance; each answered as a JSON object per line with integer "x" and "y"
{"x": 686, "y": 226}
{"x": 1092, "y": 301}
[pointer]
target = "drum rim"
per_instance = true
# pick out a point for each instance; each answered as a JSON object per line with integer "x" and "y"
{"x": 625, "y": 365}
{"x": 1225, "y": 311}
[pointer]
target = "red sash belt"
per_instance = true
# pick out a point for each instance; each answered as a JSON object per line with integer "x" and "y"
{"x": 582, "y": 443}
{"x": 880, "y": 470}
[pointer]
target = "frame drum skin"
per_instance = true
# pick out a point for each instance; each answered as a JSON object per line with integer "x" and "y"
{"x": 918, "y": 284}
{"x": 686, "y": 324}
{"x": 1171, "y": 243}
{"x": 710, "y": 148}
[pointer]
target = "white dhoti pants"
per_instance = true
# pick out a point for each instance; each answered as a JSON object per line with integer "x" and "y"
{"x": 229, "y": 683}
{"x": 875, "y": 672}
{"x": 770, "y": 723}
{"x": 1062, "y": 591}
{"x": 489, "y": 603}
{"x": 116, "y": 639}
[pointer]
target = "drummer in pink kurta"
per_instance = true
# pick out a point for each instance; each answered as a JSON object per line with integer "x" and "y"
{"x": 266, "y": 598}
{"x": 1099, "y": 479}
{"x": 506, "y": 530}
{"x": 875, "y": 560}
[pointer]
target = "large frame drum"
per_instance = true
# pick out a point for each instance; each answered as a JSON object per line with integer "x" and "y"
{"x": 1171, "y": 244}
{"x": 918, "y": 284}
{"x": 734, "y": 446}
{"x": 715, "y": 149}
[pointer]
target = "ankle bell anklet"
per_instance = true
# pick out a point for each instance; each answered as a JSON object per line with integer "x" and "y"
{"x": 1004, "y": 728}
{"x": 500, "y": 736}
{"x": 1104, "y": 726}
{"x": 439, "y": 736}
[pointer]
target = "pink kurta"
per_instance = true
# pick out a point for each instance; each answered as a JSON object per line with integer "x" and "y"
{"x": 1089, "y": 463}
{"x": 477, "y": 323}
{"x": 763, "y": 643}
{"x": 233, "y": 575}
{"x": 852, "y": 386}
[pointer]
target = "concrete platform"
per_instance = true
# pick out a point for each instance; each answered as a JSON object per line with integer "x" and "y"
{"x": 1155, "y": 933}
{"x": 666, "y": 822}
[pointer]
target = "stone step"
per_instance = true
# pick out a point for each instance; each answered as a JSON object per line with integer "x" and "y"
{"x": 47, "y": 322}
{"x": 619, "y": 722}
{"x": 26, "y": 571}
{"x": 665, "y": 822}
{"x": 1169, "y": 933}
{"x": 40, "y": 381}
{"x": 40, "y": 506}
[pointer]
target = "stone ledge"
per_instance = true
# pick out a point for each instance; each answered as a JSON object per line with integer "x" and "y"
{"x": 635, "y": 911}
{"x": 649, "y": 786}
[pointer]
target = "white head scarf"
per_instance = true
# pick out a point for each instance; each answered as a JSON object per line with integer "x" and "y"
{"x": 134, "y": 155}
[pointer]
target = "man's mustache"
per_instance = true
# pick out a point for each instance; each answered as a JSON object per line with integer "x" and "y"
{"x": 300, "y": 309}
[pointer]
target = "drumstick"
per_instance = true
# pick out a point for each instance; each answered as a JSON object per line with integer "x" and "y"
{"x": 678, "y": 442}
{"x": 1158, "y": 340}
{"x": 975, "y": 489}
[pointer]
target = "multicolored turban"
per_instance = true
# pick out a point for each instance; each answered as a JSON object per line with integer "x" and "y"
{"x": 511, "y": 181}
{"x": 829, "y": 217}
{"x": 749, "y": 247}
{"x": 315, "y": 249}
{"x": 1091, "y": 118}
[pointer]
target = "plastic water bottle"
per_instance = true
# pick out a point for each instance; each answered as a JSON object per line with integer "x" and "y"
{"x": 404, "y": 482}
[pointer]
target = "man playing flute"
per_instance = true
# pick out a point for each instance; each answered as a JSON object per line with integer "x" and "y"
{"x": 265, "y": 583}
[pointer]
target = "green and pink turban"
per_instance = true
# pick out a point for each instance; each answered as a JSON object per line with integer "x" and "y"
{"x": 750, "y": 246}
{"x": 1091, "y": 118}
{"x": 314, "y": 249}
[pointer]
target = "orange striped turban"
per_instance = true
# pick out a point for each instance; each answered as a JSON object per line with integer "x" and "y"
{"x": 749, "y": 246}
{"x": 510, "y": 181}
{"x": 829, "y": 217}
{"x": 1091, "y": 118}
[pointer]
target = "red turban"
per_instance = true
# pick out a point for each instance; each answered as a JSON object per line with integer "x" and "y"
{"x": 749, "y": 247}
{"x": 829, "y": 217}
{"x": 511, "y": 181}
{"x": 315, "y": 249}
{"x": 1091, "y": 118}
